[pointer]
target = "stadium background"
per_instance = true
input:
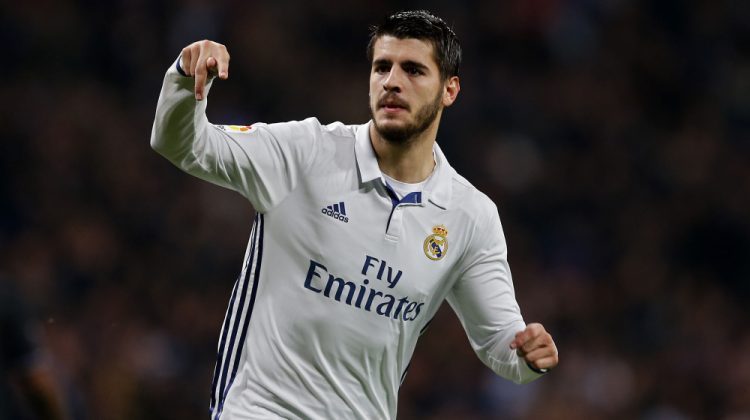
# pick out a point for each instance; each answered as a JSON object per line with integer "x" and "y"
{"x": 613, "y": 134}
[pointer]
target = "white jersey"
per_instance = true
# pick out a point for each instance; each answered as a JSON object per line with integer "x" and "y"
{"x": 340, "y": 276}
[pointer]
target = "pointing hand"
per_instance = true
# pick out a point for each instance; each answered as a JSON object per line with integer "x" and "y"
{"x": 203, "y": 58}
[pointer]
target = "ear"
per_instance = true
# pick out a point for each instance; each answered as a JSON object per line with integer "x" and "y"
{"x": 452, "y": 87}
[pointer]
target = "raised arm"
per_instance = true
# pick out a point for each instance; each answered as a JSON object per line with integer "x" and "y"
{"x": 181, "y": 131}
{"x": 263, "y": 162}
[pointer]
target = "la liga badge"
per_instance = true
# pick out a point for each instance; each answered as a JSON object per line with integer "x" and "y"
{"x": 436, "y": 245}
{"x": 236, "y": 128}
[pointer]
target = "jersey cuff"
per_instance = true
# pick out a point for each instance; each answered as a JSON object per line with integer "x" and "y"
{"x": 178, "y": 67}
{"x": 539, "y": 371}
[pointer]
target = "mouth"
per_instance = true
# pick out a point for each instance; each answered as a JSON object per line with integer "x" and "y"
{"x": 392, "y": 104}
{"x": 392, "y": 109}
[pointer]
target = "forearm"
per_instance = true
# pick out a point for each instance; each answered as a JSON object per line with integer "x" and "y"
{"x": 183, "y": 134}
{"x": 263, "y": 163}
{"x": 485, "y": 302}
{"x": 180, "y": 122}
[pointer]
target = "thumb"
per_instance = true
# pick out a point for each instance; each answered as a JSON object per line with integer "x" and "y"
{"x": 520, "y": 338}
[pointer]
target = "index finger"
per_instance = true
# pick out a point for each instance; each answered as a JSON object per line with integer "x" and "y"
{"x": 201, "y": 74}
{"x": 519, "y": 340}
{"x": 531, "y": 331}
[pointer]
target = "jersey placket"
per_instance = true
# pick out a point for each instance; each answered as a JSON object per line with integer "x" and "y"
{"x": 394, "y": 228}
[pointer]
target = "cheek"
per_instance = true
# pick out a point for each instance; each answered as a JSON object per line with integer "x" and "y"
{"x": 373, "y": 94}
{"x": 374, "y": 86}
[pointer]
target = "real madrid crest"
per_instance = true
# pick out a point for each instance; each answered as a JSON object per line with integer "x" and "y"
{"x": 436, "y": 245}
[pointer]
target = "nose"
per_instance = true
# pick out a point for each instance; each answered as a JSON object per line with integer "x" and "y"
{"x": 392, "y": 83}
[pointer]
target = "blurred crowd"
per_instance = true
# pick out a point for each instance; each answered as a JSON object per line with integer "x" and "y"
{"x": 614, "y": 135}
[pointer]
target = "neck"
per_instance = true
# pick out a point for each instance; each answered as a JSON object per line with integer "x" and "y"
{"x": 409, "y": 162}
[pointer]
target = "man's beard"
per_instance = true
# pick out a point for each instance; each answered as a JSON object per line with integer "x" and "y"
{"x": 423, "y": 119}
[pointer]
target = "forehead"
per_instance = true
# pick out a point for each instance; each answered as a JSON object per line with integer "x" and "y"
{"x": 394, "y": 49}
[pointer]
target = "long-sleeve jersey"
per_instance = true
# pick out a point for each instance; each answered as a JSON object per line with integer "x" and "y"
{"x": 341, "y": 274}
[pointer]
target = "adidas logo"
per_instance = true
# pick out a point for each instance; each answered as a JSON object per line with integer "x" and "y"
{"x": 337, "y": 211}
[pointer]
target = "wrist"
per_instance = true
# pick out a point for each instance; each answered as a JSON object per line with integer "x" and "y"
{"x": 540, "y": 371}
{"x": 179, "y": 67}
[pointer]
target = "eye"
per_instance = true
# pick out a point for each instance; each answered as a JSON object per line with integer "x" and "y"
{"x": 381, "y": 68}
{"x": 413, "y": 70}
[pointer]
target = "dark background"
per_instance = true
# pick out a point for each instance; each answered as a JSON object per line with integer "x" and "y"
{"x": 613, "y": 134}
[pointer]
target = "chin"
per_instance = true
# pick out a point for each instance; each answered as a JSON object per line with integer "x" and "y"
{"x": 392, "y": 120}
{"x": 394, "y": 133}
{"x": 390, "y": 124}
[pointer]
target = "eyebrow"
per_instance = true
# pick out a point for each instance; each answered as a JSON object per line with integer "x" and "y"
{"x": 382, "y": 62}
{"x": 407, "y": 63}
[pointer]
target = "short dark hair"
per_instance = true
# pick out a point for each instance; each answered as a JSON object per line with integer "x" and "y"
{"x": 422, "y": 25}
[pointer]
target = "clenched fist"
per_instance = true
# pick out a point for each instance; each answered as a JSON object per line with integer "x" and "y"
{"x": 202, "y": 58}
{"x": 536, "y": 346}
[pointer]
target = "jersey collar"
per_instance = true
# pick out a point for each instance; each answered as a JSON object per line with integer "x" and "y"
{"x": 438, "y": 188}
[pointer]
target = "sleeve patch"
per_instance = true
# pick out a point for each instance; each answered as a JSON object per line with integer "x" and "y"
{"x": 236, "y": 128}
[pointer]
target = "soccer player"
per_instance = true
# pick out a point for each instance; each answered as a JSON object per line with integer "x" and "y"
{"x": 361, "y": 232}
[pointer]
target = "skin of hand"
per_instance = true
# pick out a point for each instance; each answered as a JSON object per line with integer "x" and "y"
{"x": 202, "y": 59}
{"x": 535, "y": 345}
